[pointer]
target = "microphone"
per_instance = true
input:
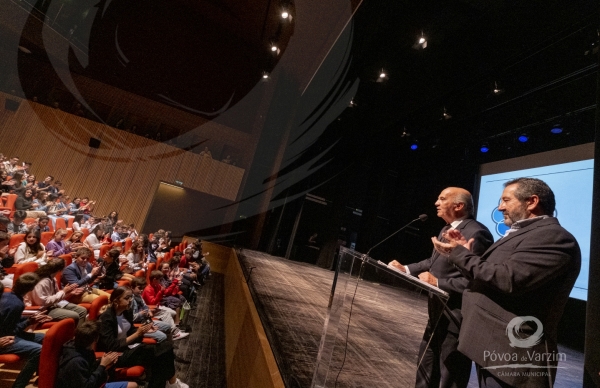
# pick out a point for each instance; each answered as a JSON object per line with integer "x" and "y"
{"x": 422, "y": 218}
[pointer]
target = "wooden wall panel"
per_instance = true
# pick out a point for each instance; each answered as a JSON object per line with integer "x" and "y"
{"x": 121, "y": 175}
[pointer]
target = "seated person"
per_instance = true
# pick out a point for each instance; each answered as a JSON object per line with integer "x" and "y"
{"x": 78, "y": 223}
{"x": 186, "y": 277}
{"x": 47, "y": 294}
{"x": 14, "y": 335}
{"x": 156, "y": 294}
{"x": 142, "y": 312}
{"x": 55, "y": 208}
{"x": 31, "y": 249}
{"x": 78, "y": 367}
{"x": 75, "y": 241}
{"x": 159, "y": 331}
{"x": 6, "y": 258}
{"x": 45, "y": 184}
{"x": 90, "y": 223}
{"x": 136, "y": 257}
{"x": 27, "y": 204}
{"x": 58, "y": 246}
{"x": 151, "y": 247}
{"x": 40, "y": 200}
{"x": 15, "y": 184}
{"x": 116, "y": 234}
{"x": 17, "y": 226}
{"x": 94, "y": 240}
{"x": 117, "y": 334}
{"x": 132, "y": 232}
{"x": 81, "y": 272}
{"x": 42, "y": 224}
{"x": 109, "y": 270}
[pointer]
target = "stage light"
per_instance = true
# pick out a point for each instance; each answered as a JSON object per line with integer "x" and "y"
{"x": 556, "y": 129}
{"x": 421, "y": 42}
{"x": 285, "y": 14}
{"x": 523, "y": 138}
{"x": 414, "y": 146}
{"x": 445, "y": 115}
{"x": 265, "y": 75}
{"x": 484, "y": 148}
{"x": 497, "y": 90}
{"x": 383, "y": 76}
{"x": 352, "y": 104}
{"x": 273, "y": 47}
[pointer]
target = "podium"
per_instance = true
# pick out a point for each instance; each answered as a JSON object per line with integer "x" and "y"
{"x": 374, "y": 326}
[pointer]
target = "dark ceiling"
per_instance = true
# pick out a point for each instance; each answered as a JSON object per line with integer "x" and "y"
{"x": 538, "y": 52}
{"x": 201, "y": 54}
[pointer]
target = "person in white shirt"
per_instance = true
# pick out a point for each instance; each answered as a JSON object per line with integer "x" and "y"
{"x": 93, "y": 241}
{"x": 31, "y": 250}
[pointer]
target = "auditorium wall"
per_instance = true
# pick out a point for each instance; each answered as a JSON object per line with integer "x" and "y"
{"x": 121, "y": 175}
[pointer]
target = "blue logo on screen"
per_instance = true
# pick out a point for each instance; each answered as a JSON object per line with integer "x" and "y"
{"x": 498, "y": 218}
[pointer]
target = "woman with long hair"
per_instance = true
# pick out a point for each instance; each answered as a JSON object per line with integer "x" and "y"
{"x": 111, "y": 272}
{"x": 75, "y": 240}
{"x": 77, "y": 221}
{"x": 118, "y": 334}
{"x": 136, "y": 256}
{"x": 31, "y": 249}
{"x": 47, "y": 293}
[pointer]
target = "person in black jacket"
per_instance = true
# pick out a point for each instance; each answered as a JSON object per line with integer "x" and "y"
{"x": 78, "y": 367}
{"x": 111, "y": 272}
{"x": 117, "y": 334}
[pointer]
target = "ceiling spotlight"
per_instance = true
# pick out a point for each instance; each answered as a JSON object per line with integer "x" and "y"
{"x": 383, "y": 76}
{"x": 405, "y": 133}
{"x": 414, "y": 146}
{"x": 484, "y": 148}
{"x": 445, "y": 115}
{"x": 523, "y": 138}
{"x": 273, "y": 47}
{"x": 497, "y": 89}
{"x": 352, "y": 104}
{"x": 556, "y": 129}
{"x": 285, "y": 14}
{"x": 421, "y": 42}
{"x": 265, "y": 76}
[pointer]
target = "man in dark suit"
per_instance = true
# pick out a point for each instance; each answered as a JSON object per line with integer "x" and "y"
{"x": 518, "y": 289}
{"x": 81, "y": 272}
{"x": 442, "y": 364}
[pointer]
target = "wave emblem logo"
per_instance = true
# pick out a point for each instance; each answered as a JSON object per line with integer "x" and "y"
{"x": 514, "y": 332}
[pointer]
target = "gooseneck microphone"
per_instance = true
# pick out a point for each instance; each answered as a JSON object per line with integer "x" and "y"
{"x": 422, "y": 218}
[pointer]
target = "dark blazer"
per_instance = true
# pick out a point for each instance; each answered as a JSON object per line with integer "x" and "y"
{"x": 72, "y": 274}
{"x": 530, "y": 272}
{"x": 449, "y": 277}
{"x": 108, "y": 341}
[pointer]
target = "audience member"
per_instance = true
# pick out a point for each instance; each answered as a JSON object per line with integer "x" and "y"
{"x": 58, "y": 246}
{"x": 117, "y": 333}
{"x": 78, "y": 367}
{"x": 17, "y": 226}
{"x": 31, "y": 249}
{"x": 15, "y": 335}
{"x": 81, "y": 272}
{"x": 48, "y": 294}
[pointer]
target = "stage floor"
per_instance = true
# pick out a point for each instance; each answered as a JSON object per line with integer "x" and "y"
{"x": 292, "y": 297}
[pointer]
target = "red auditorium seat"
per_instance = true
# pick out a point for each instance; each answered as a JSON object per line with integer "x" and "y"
{"x": 61, "y": 332}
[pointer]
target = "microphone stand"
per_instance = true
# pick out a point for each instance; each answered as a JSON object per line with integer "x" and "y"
{"x": 422, "y": 217}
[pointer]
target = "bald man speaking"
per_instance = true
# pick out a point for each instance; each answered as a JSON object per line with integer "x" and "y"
{"x": 443, "y": 365}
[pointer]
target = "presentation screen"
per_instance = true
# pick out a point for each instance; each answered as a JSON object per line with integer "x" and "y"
{"x": 569, "y": 173}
